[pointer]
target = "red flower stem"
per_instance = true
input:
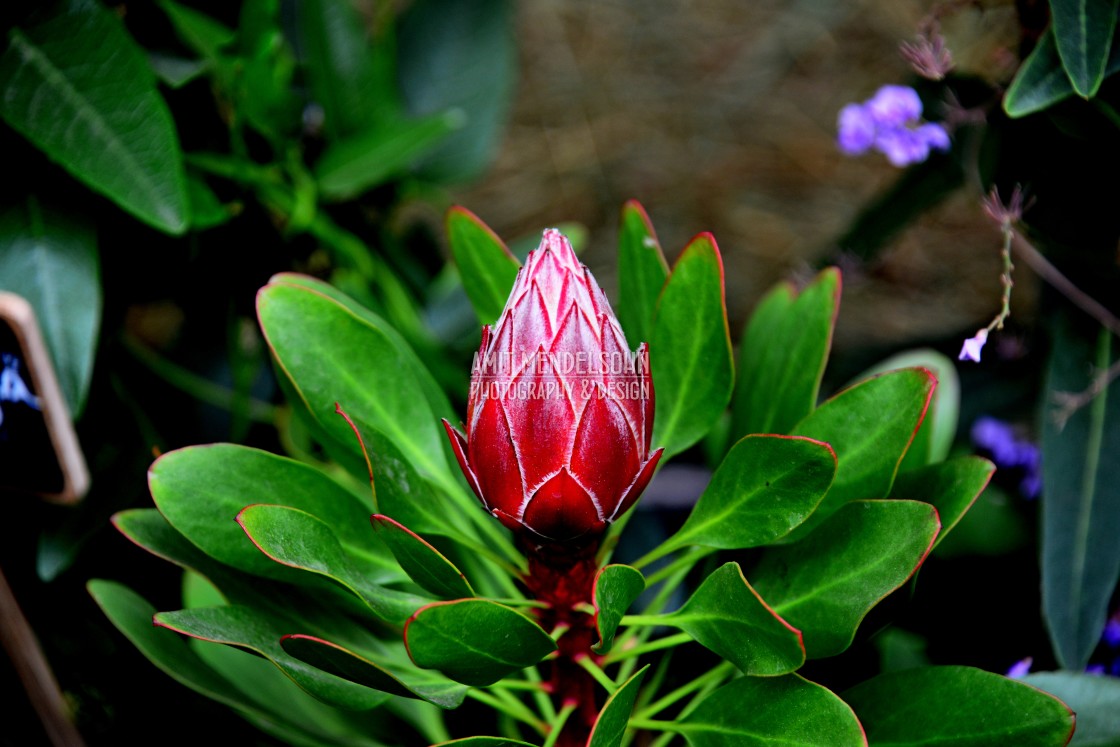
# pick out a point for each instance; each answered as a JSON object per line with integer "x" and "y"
{"x": 563, "y": 578}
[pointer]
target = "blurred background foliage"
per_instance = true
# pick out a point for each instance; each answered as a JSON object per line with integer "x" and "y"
{"x": 164, "y": 159}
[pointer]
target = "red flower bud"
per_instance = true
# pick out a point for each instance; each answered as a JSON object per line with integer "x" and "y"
{"x": 560, "y": 413}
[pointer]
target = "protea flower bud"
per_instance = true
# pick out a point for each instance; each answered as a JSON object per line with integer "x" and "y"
{"x": 560, "y": 413}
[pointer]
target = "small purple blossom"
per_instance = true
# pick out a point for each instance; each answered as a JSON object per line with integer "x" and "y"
{"x": 1020, "y": 668}
{"x": 1112, "y": 631}
{"x": 971, "y": 348}
{"x": 1010, "y": 452}
{"x": 890, "y": 122}
{"x": 1095, "y": 669}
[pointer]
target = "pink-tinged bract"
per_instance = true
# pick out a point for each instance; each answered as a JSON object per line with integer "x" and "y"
{"x": 560, "y": 413}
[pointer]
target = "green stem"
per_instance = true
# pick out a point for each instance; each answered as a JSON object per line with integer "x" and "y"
{"x": 635, "y": 620}
{"x": 669, "y": 641}
{"x": 653, "y": 725}
{"x": 544, "y": 703}
{"x": 558, "y": 724}
{"x": 655, "y": 554}
{"x": 684, "y": 562}
{"x": 197, "y": 386}
{"x": 521, "y": 602}
{"x": 716, "y": 674}
{"x": 524, "y": 685}
{"x": 597, "y": 672}
{"x": 512, "y": 707}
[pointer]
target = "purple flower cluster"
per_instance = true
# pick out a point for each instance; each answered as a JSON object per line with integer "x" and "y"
{"x": 1010, "y": 452}
{"x": 890, "y": 122}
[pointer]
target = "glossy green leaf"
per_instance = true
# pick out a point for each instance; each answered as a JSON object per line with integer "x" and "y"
{"x": 50, "y": 258}
{"x": 1081, "y": 498}
{"x": 769, "y": 711}
{"x": 459, "y": 55}
{"x": 1039, "y": 82}
{"x": 825, "y": 583}
{"x": 373, "y": 156}
{"x": 610, "y": 727}
{"x": 1083, "y": 34}
{"x": 342, "y": 66}
{"x": 297, "y": 539}
{"x": 337, "y": 660}
{"x": 955, "y": 706}
{"x": 475, "y": 641}
{"x": 201, "y": 489}
{"x": 869, "y": 426}
{"x": 80, "y": 89}
{"x": 729, "y": 617}
{"x": 202, "y": 33}
{"x": 935, "y": 436}
{"x": 247, "y": 628}
{"x": 483, "y": 742}
{"x": 423, "y": 563}
{"x": 400, "y": 493}
{"x": 615, "y": 589}
{"x": 690, "y": 350}
{"x": 783, "y": 354}
{"x": 333, "y": 355}
{"x": 642, "y": 271}
{"x": 1095, "y": 700}
{"x": 951, "y": 487}
{"x": 486, "y": 266}
{"x": 765, "y": 486}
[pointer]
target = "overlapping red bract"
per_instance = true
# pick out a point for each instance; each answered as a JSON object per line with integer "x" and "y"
{"x": 560, "y": 414}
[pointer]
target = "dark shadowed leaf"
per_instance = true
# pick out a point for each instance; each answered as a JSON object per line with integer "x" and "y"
{"x": 955, "y": 706}
{"x": 1081, "y": 498}
{"x": 475, "y": 641}
{"x": 826, "y": 582}
{"x": 80, "y": 89}
{"x": 1095, "y": 700}
{"x": 1083, "y": 32}
{"x": 951, "y": 487}
{"x": 423, "y": 563}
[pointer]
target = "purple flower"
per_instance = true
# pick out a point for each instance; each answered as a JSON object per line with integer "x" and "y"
{"x": 1112, "y": 631}
{"x": 1010, "y": 452}
{"x": 856, "y": 127}
{"x": 973, "y": 345}
{"x": 1020, "y": 668}
{"x": 1095, "y": 669}
{"x": 890, "y": 122}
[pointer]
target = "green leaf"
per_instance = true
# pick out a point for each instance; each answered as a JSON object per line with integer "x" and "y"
{"x": 955, "y": 706}
{"x": 765, "y": 487}
{"x": 1039, "y": 82}
{"x": 81, "y": 90}
{"x": 373, "y": 156}
{"x": 342, "y": 66}
{"x": 423, "y": 563}
{"x": 1083, "y": 33}
{"x": 935, "y": 437}
{"x": 728, "y": 617}
{"x": 247, "y": 628}
{"x": 201, "y": 489}
{"x": 50, "y": 258}
{"x": 951, "y": 487}
{"x": 1081, "y": 499}
{"x": 341, "y": 662}
{"x": 772, "y": 711}
{"x": 610, "y": 727}
{"x": 205, "y": 36}
{"x": 870, "y": 426}
{"x": 825, "y": 583}
{"x": 783, "y": 354}
{"x": 332, "y": 354}
{"x": 459, "y": 55}
{"x": 174, "y": 71}
{"x": 690, "y": 349}
{"x": 483, "y": 742}
{"x": 642, "y": 272}
{"x": 207, "y": 211}
{"x": 486, "y": 266}
{"x": 1095, "y": 700}
{"x": 615, "y": 589}
{"x": 475, "y": 641}
{"x": 297, "y": 539}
